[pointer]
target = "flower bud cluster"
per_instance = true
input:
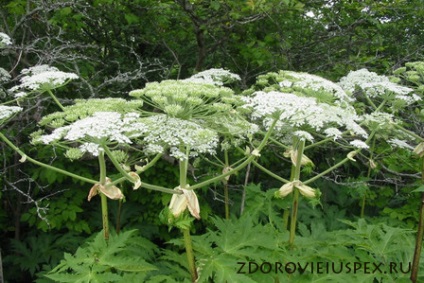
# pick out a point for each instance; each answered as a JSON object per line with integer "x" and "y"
{"x": 84, "y": 108}
{"x": 186, "y": 99}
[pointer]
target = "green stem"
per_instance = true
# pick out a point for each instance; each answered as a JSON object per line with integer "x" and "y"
{"x": 183, "y": 164}
{"x": 27, "y": 158}
{"x": 241, "y": 165}
{"x": 420, "y": 233}
{"x": 296, "y": 176}
{"x": 409, "y": 132}
{"x": 370, "y": 101}
{"x": 278, "y": 143}
{"x": 286, "y": 213}
{"x": 184, "y": 167}
{"x": 105, "y": 217}
{"x": 226, "y": 198}
{"x": 150, "y": 164}
{"x": 116, "y": 164}
{"x": 318, "y": 143}
{"x": 270, "y": 173}
{"x": 328, "y": 170}
{"x": 293, "y": 218}
{"x": 147, "y": 186}
{"x": 190, "y": 254}
{"x": 56, "y": 100}
{"x": 364, "y": 196}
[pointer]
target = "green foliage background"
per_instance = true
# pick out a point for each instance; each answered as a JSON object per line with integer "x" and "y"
{"x": 116, "y": 46}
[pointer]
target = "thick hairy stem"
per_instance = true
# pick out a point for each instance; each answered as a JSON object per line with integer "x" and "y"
{"x": 246, "y": 181}
{"x": 364, "y": 197}
{"x": 105, "y": 217}
{"x": 186, "y": 232}
{"x": 296, "y": 176}
{"x": 190, "y": 254}
{"x": 420, "y": 233}
{"x": 226, "y": 198}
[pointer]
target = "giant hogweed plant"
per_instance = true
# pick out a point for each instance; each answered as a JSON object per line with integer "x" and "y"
{"x": 383, "y": 100}
{"x": 110, "y": 129}
{"x": 305, "y": 109}
{"x": 187, "y": 119}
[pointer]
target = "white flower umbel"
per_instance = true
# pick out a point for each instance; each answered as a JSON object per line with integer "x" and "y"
{"x": 165, "y": 132}
{"x": 304, "y": 84}
{"x": 333, "y": 133}
{"x": 315, "y": 83}
{"x": 400, "y": 144}
{"x": 4, "y": 40}
{"x": 359, "y": 144}
{"x": 214, "y": 76}
{"x": 302, "y": 135}
{"x": 42, "y": 78}
{"x": 4, "y": 76}
{"x": 375, "y": 85}
{"x": 100, "y": 129}
{"x": 301, "y": 113}
{"x": 8, "y": 111}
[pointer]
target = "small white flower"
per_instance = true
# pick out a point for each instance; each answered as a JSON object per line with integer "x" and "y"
{"x": 315, "y": 83}
{"x": 297, "y": 113}
{"x": 100, "y": 128}
{"x": 400, "y": 143}
{"x": 302, "y": 135}
{"x": 4, "y": 76}
{"x": 91, "y": 148}
{"x": 4, "y": 40}
{"x": 20, "y": 94}
{"x": 214, "y": 76}
{"x": 173, "y": 133}
{"x": 359, "y": 144}
{"x": 8, "y": 111}
{"x": 333, "y": 133}
{"x": 375, "y": 85}
{"x": 43, "y": 77}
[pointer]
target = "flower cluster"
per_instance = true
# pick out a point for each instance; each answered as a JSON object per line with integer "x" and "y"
{"x": 97, "y": 130}
{"x": 8, "y": 111}
{"x": 178, "y": 135}
{"x": 375, "y": 85}
{"x": 316, "y": 84}
{"x": 4, "y": 76}
{"x": 86, "y": 107}
{"x": 304, "y": 84}
{"x": 400, "y": 144}
{"x": 41, "y": 78}
{"x": 4, "y": 40}
{"x": 301, "y": 113}
{"x": 187, "y": 100}
{"x": 214, "y": 76}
